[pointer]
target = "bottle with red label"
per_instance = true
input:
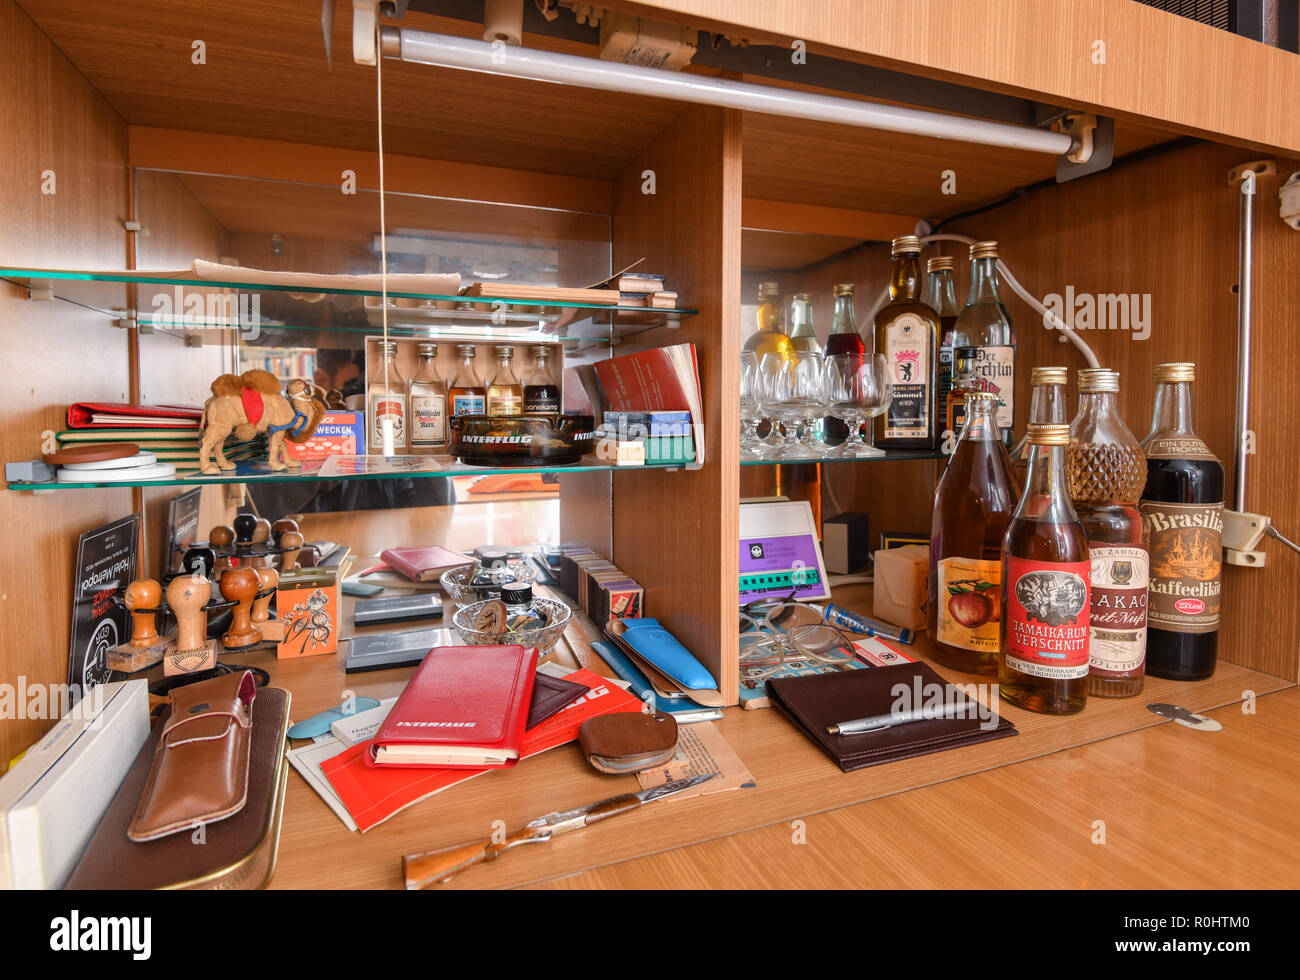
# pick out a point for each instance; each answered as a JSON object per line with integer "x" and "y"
{"x": 1182, "y": 507}
{"x": 1043, "y": 656}
{"x": 1107, "y": 469}
{"x": 386, "y": 401}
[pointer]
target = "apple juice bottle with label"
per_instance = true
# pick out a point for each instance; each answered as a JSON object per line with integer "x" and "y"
{"x": 972, "y": 506}
{"x": 467, "y": 396}
{"x": 907, "y": 333}
{"x": 1043, "y": 663}
{"x": 428, "y": 403}
{"x": 986, "y": 324}
{"x": 1182, "y": 507}
{"x": 1106, "y": 468}
{"x": 386, "y": 399}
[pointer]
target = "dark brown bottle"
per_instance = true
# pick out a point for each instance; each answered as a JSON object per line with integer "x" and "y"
{"x": 541, "y": 393}
{"x": 1043, "y": 663}
{"x": 1182, "y": 507}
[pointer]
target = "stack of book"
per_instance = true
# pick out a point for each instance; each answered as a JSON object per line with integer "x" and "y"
{"x": 180, "y": 447}
{"x": 600, "y": 588}
{"x": 649, "y": 404}
{"x": 642, "y": 290}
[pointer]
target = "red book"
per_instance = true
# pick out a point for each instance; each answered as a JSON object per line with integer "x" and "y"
{"x": 463, "y": 708}
{"x": 114, "y": 415}
{"x": 423, "y": 564}
{"x": 371, "y": 795}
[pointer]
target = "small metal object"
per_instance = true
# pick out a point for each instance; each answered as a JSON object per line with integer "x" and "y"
{"x": 1184, "y": 717}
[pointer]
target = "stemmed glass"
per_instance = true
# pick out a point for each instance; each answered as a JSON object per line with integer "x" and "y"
{"x": 751, "y": 406}
{"x": 811, "y": 371}
{"x": 792, "y": 384}
{"x": 859, "y": 389}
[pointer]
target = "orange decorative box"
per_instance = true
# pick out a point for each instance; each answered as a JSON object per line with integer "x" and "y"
{"x": 307, "y": 603}
{"x": 338, "y": 434}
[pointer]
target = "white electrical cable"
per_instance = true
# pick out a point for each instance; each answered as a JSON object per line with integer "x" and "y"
{"x": 388, "y": 437}
{"x": 1033, "y": 302}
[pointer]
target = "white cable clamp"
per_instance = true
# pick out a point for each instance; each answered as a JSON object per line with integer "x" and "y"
{"x": 365, "y": 17}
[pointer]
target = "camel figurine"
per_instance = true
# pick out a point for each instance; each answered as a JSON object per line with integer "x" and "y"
{"x": 253, "y": 402}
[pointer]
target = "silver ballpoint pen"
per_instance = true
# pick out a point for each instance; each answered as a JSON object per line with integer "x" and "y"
{"x": 875, "y": 723}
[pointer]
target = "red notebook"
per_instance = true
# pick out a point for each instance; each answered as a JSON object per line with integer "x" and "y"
{"x": 373, "y": 794}
{"x": 423, "y": 564}
{"x": 463, "y": 708}
{"x": 112, "y": 415}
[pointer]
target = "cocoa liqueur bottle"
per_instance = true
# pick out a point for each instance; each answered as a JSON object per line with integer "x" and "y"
{"x": 1182, "y": 507}
{"x": 1043, "y": 663}
{"x": 1046, "y": 404}
{"x": 941, "y": 296}
{"x": 986, "y": 324}
{"x": 972, "y": 506}
{"x": 1106, "y": 469}
{"x": 907, "y": 334}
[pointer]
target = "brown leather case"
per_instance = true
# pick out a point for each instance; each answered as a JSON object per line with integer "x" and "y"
{"x": 200, "y": 772}
{"x": 814, "y": 702}
{"x": 628, "y": 741}
{"x": 238, "y": 853}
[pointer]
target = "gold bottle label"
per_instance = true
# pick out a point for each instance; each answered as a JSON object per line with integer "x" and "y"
{"x": 1186, "y": 564}
{"x": 1178, "y": 447}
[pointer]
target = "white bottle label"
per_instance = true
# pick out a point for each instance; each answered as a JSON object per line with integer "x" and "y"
{"x": 428, "y": 420}
{"x": 908, "y": 351}
{"x": 387, "y": 405}
{"x": 995, "y": 367}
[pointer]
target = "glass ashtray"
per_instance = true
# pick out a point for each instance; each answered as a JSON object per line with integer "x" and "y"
{"x": 459, "y": 582}
{"x": 543, "y": 638}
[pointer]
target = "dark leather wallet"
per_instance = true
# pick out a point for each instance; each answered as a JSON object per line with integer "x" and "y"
{"x": 628, "y": 741}
{"x": 815, "y": 702}
{"x": 199, "y": 773}
{"x": 550, "y": 695}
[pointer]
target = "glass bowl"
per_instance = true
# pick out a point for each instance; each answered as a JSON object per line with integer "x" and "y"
{"x": 543, "y": 638}
{"x": 455, "y": 582}
{"x": 521, "y": 440}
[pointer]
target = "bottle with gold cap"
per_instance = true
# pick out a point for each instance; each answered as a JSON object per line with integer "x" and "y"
{"x": 1182, "y": 507}
{"x": 802, "y": 335}
{"x": 941, "y": 296}
{"x": 769, "y": 339}
{"x": 986, "y": 324}
{"x": 907, "y": 334}
{"x": 1046, "y": 404}
{"x": 1106, "y": 470}
{"x": 1043, "y": 658}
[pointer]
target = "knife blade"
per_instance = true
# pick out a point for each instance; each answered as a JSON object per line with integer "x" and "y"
{"x": 439, "y": 866}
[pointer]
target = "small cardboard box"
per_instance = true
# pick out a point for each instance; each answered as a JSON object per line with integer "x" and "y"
{"x": 902, "y": 586}
{"x": 338, "y": 434}
{"x": 307, "y": 604}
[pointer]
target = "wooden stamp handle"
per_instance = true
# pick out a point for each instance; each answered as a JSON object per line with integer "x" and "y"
{"x": 436, "y": 867}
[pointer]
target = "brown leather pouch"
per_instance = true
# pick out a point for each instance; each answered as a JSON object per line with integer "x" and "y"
{"x": 628, "y": 741}
{"x": 200, "y": 772}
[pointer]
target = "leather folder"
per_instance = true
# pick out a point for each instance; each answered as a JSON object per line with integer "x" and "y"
{"x": 237, "y": 853}
{"x": 814, "y": 702}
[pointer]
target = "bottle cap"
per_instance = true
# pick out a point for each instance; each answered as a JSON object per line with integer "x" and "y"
{"x": 1098, "y": 379}
{"x": 390, "y": 348}
{"x": 905, "y": 245}
{"x": 1177, "y": 371}
{"x": 490, "y": 556}
{"x": 984, "y": 250}
{"x": 516, "y": 593}
{"x": 967, "y": 352}
{"x": 541, "y": 351}
{"x": 803, "y": 297}
{"x": 466, "y": 350}
{"x": 1048, "y": 434}
{"x": 430, "y": 349}
{"x": 939, "y": 263}
{"x": 768, "y": 289}
{"x": 505, "y": 351}
{"x": 1048, "y": 376}
{"x": 843, "y": 289}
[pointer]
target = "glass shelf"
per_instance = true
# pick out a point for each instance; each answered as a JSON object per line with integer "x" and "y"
{"x": 257, "y": 472}
{"x": 894, "y": 457}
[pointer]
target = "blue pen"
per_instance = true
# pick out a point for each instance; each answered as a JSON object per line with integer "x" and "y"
{"x": 837, "y": 616}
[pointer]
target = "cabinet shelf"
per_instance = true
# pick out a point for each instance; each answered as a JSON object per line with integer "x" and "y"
{"x": 894, "y": 457}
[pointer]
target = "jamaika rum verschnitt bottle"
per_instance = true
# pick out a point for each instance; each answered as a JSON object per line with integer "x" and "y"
{"x": 1043, "y": 664}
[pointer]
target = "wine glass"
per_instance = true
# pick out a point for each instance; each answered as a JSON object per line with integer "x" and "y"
{"x": 858, "y": 389}
{"x": 751, "y": 406}
{"x": 810, "y": 373}
{"x": 789, "y": 387}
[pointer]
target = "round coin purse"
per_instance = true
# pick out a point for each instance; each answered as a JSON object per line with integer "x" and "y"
{"x": 628, "y": 741}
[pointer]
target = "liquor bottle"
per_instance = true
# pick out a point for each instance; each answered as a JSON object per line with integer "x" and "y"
{"x": 985, "y": 323}
{"x": 972, "y": 506}
{"x": 467, "y": 396}
{"x": 844, "y": 339}
{"x": 505, "y": 395}
{"x": 1047, "y": 405}
{"x": 428, "y": 403}
{"x": 1043, "y": 663}
{"x": 1106, "y": 469}
{"x": 907, "y": 333}
{"x": 541, "y": 393}
{"x": 386, "y": 399}
{"x": 1182, "y": 507}
{"x": 769, "y": 339}
{"x": 802, "y": 335}
{"x": 964, "y": 383}
{"x": 941, "y": 296}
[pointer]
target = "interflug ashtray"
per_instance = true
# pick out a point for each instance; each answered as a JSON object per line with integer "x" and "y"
{"x": 521, "y": 440}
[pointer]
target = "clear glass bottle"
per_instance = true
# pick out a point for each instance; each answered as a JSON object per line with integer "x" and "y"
{"x": 1182, "y": 507}
{"x": 428, "y": 403}
{"x": 467, "y": 395}
{"x": 541, "y": 392}
{"x": 386, "y": 399}
{"x": 972, "y": 506}
{"x": 802, "y": 335}
{"x": 1106, "y": 470}
{"x": 1046, "y": 404}
{"x": 1043, "y": 658}
{"x": 769, "y": 339}
{"x": 941, "y": 296}
{"x": 844, "y": 339}
{"x": 907, "y": 333}
{"x": 986, "y": 324}
{"x": 505, "y": 395}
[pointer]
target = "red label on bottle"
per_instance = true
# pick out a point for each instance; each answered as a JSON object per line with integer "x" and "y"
{"x": 1047, "y": 618}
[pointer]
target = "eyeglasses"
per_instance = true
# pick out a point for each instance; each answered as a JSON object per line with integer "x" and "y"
{"x": 776, "y": 633}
